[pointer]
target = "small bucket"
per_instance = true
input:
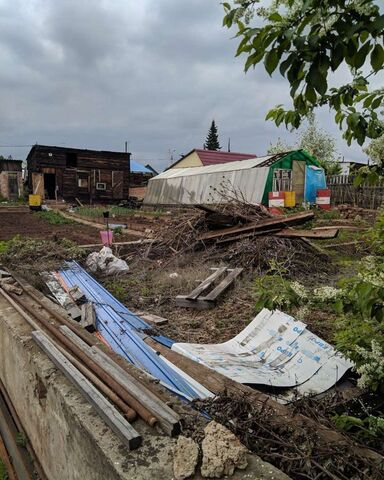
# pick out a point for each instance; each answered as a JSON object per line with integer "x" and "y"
{"x": 106, "y": 237}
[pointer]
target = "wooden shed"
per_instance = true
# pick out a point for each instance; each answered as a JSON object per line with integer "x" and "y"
{"x": 11, "y": 179}
{"x": 69, "y": 173}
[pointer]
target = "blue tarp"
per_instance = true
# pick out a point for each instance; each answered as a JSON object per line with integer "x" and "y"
{"x": 314, "y": 179}
{"x": 123, "y": 330}
{"x": 138, "y": 168}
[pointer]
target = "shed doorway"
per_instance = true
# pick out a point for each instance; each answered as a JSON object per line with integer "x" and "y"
{"x": 298, "y": 180}
{"x": 50, "y": 185}
{"x": 13, "y": 188}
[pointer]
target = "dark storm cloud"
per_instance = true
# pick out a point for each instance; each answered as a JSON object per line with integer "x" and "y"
{"x": 94, "y": 73}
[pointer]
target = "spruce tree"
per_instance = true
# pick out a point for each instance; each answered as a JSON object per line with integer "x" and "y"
{"x": 212, "y": 141}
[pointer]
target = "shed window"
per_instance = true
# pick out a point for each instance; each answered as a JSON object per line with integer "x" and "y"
{"x": 282, "y": 180}
{"x": 71, "y": 159}
{"x": 83, "y": 182}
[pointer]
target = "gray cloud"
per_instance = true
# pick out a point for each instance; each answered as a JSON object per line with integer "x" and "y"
{"x": 94, "y": 73}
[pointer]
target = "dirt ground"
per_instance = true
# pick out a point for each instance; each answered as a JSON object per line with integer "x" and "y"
{"x": 26, "y": 223}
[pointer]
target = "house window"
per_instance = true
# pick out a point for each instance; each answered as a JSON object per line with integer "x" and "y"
{"x": 282, "y": 180}
{"x": 82, "y": 183}
{"x": 101, "y": 186}
{"x": 71, "y": 159}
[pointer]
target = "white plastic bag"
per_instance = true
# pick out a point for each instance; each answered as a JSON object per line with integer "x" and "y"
{"x": 104, "y": 261}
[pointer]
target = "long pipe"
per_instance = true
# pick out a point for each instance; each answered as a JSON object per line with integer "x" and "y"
{"x": 143, "y": 412}
{"x": 20, "y": 428}
{"x": 89, "y": 340}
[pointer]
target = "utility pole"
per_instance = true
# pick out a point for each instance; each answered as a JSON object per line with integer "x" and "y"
{"x": 129, "y": 167}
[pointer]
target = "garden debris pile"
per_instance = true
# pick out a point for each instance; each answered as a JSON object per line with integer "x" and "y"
{"x": 237, "y": 233}
{"x": 296, "y": 452}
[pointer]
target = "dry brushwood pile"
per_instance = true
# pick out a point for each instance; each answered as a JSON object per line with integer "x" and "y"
{"x": 297, "y": 452}
{"x": 183, "y": 234}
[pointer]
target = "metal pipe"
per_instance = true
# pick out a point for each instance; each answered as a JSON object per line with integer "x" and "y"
{"x": 20, "y": 428}
{"x": 144, "y": 413}
{"x": 8, "y": 432}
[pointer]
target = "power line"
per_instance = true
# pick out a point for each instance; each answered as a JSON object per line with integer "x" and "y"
{"x": 16, "y": 146}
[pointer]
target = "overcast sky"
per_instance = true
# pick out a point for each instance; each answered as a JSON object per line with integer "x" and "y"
{"x": 94, "y": 73}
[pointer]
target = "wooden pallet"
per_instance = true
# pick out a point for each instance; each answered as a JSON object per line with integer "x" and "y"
{"x": 201, "y": 301}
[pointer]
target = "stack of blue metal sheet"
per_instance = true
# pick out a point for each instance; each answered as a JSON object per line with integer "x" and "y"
{"x": 124, "y": 332}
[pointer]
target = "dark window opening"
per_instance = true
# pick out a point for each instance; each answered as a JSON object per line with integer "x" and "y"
{"x": 71, "y": 159}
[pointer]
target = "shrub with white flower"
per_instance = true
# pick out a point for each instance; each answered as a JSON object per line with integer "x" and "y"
{"x": 299, "y": 290}
{"x": 372, "y": 370}
{"x": 326, "y": 294}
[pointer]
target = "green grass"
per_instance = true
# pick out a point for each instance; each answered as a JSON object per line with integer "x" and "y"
{"x": 3, "y": 246}
{"x": 53, "y": 218}
{"x": 3, "y": 471}
{"x": 95, "y": 212}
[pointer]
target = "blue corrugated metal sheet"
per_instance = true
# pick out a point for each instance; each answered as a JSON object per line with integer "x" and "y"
{"x": 121, "y": 329}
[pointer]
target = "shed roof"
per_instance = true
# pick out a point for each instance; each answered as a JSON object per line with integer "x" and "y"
{"x": 215, "y": 157}
{"x": 10, "y": 165}
{"x": 222, "y": 167}
{"x": 138, "y": 168}
{"x": 55, "y": 149}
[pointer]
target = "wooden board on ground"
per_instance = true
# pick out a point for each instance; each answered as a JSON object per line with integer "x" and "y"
{"x": 196, "y": 299}
{"x": 319, "y": 234}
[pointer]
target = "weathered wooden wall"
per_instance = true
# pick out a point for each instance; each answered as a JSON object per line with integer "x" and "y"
{"x": 366, "y": 196}
{"x": 80, "y": 180}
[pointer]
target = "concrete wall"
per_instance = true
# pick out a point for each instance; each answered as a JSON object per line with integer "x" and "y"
{"x": 68, "y": 436}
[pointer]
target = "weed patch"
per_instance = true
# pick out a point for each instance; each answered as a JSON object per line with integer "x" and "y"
{"x": 54, "y": 218}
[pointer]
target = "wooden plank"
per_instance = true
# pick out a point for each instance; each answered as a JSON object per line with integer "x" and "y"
{"x": 319, "y": 234}
{"x": 168, "y": 419}
{"x": 222, "y": 287}
{"x": 269, "y": 223}
{"x": 106, "y": 410}
{"x": 198, "y": 303}
{"x": 206, "y": 283}
{"x": 236, "y": 238}
{"x": 88, "y": 317}
{"x": 133, "y": 242}
{"x": 343, "y": 227}
{"x": 150, "y": 317}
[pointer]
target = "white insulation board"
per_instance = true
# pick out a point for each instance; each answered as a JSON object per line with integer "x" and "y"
{"x": 276, "y": 350}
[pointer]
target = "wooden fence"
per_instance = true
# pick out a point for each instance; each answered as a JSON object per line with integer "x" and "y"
{"x": 365, "y": 196}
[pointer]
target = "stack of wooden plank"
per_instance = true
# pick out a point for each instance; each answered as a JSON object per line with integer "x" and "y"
{"x": 201, "y": 300}
{"x": 277, "y": 226}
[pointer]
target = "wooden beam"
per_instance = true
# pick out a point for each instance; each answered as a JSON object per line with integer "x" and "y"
{"x": 106, "y": 410}
{"x": 223, "y": 285}
{"x": 206, "y": 283}
{"x": 168, "y": 419}
{"x": 264, "y": 225}
{"x": 198, "y": 303}
{"x": 319, "y": 234}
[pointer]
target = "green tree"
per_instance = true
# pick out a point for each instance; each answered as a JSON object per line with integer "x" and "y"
{"x": 212, "y": 141}
{"x": 309, "y": 40}
{"x": 317, "y": 142}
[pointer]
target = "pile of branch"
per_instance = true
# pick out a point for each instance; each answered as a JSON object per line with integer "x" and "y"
{"x": 239, "y": 233}
{"x": 298, "y": 451}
